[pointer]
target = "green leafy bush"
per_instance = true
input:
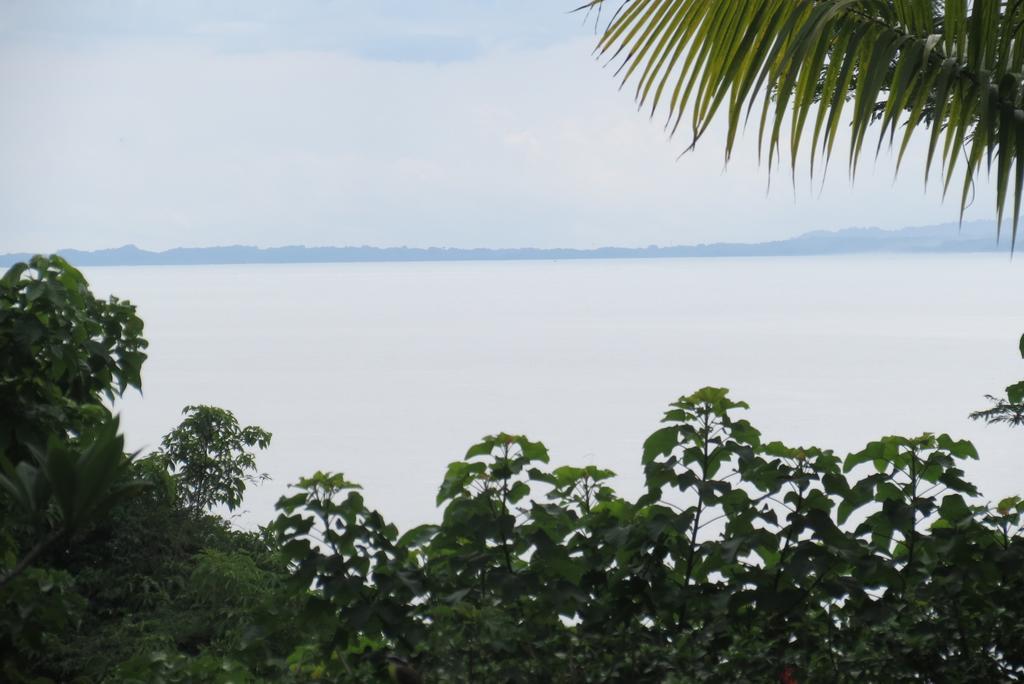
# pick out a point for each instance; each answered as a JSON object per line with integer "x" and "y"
{"x": 62, "y": 352}
{"x": 210, "y": 458}
{"x": 743, "y": 560}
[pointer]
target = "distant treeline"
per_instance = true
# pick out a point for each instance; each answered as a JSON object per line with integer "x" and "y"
{"x": 972, "y": 237}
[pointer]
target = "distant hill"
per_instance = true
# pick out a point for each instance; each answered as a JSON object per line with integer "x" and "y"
{"x": 978, "y": 236}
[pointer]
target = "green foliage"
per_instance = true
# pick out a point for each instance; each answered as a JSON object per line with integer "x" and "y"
{"x": 1008, "y": 409}
{"x": 67, "y": 485}
{"x": 363, "y": 581}
{"x": 743, "y": 560}
{"x": 98, "y": 560}
{"x": 62, "y": 461}
{"x": 62, "y": 351}
{"x": 176, "y": 668}
{"x": 34, "y": 606}
{"x": 209, "y": 455}
{"x": 165, "y": 587}
{"x": 950, "y": 68}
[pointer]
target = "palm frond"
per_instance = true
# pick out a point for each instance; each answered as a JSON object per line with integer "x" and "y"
{"x": 951, "y": 68}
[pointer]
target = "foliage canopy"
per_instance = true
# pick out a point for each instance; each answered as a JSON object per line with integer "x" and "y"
{"x": 209, "y": 455}
{"x": 743, "y": 560}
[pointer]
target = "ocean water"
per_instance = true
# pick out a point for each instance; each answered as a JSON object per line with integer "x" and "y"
{"x": 387, "y": 372}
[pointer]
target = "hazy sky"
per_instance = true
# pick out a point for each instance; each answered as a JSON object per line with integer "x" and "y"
{"x": 448, "y": 122}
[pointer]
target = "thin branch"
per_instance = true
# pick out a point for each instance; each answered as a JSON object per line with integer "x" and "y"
{"x": 27, "y": 559}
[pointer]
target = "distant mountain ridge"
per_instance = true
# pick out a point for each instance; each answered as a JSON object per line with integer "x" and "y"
{"x": 977, "y": 236}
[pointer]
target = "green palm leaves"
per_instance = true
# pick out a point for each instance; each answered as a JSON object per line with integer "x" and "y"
{"x": 65, "y": 486}
{"x": 810, "y": 67}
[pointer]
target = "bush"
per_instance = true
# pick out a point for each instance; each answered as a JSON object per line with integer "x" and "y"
{"x": 744, "y": 559}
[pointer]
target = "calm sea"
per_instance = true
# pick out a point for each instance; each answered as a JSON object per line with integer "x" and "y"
{"x": 387, "y": 372}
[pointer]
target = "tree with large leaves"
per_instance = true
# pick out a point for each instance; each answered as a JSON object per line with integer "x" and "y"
{"x": 210, "y": 455}
{"x": 64, "y": 356}
{"x": 805, "y": 70}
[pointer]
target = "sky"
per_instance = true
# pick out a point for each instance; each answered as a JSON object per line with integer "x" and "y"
{"x": 458, "y": 123}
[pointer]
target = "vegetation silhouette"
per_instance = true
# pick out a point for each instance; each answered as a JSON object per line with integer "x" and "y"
{"x": 744, "y": 559}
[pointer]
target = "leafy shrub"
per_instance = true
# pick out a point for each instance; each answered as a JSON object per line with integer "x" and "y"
{"x": 743, "y": 560}
{"x": 210, "y": 458}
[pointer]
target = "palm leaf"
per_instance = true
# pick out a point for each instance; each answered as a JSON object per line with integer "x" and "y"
{"x": 947, "y": 69}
